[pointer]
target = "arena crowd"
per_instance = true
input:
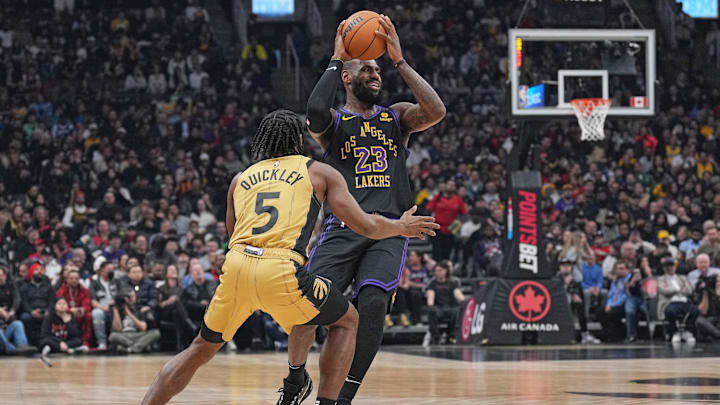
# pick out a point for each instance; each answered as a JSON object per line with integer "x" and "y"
{"x": 123, "y": 122}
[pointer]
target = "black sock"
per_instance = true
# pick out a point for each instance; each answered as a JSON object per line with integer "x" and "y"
{"x": 325, "y": 401}
{"x": 372, "y": 306}
{"x": 297, "y": 375}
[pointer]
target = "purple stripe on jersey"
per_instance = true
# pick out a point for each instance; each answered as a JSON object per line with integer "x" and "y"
{"x": 377, "y": 111}
{"x": 397, "y": 122}
{"x": 337, "y": 124}
{"x": 386, "y": 286}
{"x": 322, "y": 238}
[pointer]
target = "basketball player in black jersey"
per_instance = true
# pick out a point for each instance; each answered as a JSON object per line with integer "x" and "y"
{"x": 367, "y": 144}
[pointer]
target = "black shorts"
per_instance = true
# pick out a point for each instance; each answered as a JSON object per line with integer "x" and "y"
{"x": 346, "y": 258}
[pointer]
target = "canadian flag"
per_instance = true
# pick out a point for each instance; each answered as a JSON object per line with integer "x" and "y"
{"x": 638, "y": 102}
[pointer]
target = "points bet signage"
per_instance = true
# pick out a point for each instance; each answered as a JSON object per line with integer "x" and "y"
{"x": 525, "y": 254}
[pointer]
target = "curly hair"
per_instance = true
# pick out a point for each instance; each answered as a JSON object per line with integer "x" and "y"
{"x": 279, "y": 134}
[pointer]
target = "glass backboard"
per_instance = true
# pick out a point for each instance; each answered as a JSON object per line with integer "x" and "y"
{"x": 550, "y": 67}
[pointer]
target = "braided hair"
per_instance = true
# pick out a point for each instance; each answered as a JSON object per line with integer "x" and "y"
{"x": 279, "y": 134}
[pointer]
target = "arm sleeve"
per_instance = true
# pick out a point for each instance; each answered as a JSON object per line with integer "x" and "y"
{"x": 322, "y": 98}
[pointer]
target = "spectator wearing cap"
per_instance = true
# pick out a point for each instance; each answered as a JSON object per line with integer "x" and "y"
{"x": 703, "y": 269}
{"x": 610, "y": 227}
{"x": 12, "y": 331}
{"x": 78, "y": 300}
{"x": 446, "y": 207}
{"x": 38, "y": 298}
{"x": 102, "y": 291}
{"x": 574, "y": 293}
{"x": 113, "y": 252}
{"x": 665, "y": 244}
{"x": 599, "y": 245}
{"x": 567, "y": 201}
{"x": 674, "y": 293}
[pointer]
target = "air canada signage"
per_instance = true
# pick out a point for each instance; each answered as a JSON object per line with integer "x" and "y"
{"x": 505, "y": 311}
{"x": 530, "y": 302}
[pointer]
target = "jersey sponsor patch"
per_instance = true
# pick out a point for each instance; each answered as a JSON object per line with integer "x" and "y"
{"x": 385, "y": 117}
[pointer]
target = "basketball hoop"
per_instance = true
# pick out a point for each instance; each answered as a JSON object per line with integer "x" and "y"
{"x": 591, "y": 113}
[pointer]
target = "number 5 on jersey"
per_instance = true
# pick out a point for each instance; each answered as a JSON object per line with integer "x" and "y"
{"x": 261, "y": 208}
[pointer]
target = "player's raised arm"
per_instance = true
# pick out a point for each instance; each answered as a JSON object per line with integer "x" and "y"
{"x": 329, "y": 182}
{"x": 319, "y": 106}
{"x": 429, "y": 109}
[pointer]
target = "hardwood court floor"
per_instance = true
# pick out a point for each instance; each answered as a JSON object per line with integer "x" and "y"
{"x": 427, "y": 376}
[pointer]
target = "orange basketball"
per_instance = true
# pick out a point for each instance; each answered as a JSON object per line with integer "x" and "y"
{"x": 359, "y": 35}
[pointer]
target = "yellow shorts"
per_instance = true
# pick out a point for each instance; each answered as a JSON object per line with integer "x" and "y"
{"x": 274, "y": 281}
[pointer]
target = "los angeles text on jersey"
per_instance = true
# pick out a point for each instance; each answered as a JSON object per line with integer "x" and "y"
{"x": 253, "y": 179}
{"x": 371, "y": 149}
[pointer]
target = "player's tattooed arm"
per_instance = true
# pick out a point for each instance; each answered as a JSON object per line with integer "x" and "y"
{"x": 430, "y": 108}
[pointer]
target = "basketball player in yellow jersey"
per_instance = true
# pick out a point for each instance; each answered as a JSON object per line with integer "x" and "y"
{"x": 272, "y": 209}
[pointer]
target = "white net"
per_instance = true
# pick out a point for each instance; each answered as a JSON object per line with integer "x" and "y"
{"x": 591, "y": 113}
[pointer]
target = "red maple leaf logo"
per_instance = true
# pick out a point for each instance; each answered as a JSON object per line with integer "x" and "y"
{"x": 529, "y": 302}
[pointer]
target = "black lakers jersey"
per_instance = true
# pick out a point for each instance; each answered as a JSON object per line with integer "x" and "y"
{"x": 370, "y": 154}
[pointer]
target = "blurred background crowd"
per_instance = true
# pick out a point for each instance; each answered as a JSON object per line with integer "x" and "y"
{"x": 123, "y": 122}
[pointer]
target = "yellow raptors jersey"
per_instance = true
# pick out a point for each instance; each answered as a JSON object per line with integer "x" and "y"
{"x": 275, "y": 205}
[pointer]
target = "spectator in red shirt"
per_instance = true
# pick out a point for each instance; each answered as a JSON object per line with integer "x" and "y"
{"x": 78, "y": 300}
{"x": 446, "y": 207}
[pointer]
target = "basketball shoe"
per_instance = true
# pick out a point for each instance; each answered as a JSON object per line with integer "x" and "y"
{"x": 291, "y": 394}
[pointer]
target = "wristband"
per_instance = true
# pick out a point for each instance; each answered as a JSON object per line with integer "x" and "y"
{"x": 335, "y": 63}
{"x": 398, "y": 63}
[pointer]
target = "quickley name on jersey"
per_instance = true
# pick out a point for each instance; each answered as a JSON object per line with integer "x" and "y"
{"x": 370, "y": 154}
{"x": 275, "y": 205}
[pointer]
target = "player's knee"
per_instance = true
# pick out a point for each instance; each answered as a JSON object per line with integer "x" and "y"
{"x": 202, "y": 350}
{"x": 303, "y": 330}
{"x": 373, "y": 301}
